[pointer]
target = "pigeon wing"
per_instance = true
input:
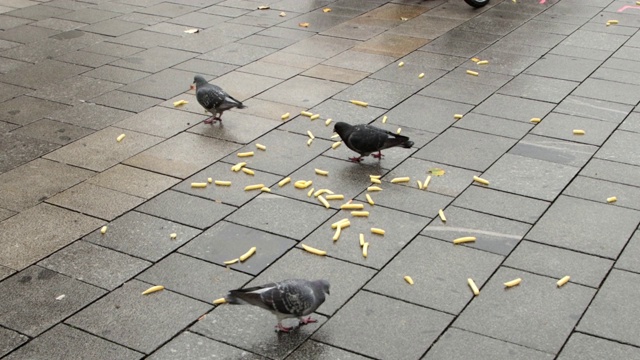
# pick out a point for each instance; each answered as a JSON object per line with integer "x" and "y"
{"x": 290, "y": 298}
{"x": 366, "y": 139}
{"x": 210, "y": 96}
{"x": 253, "y": 296}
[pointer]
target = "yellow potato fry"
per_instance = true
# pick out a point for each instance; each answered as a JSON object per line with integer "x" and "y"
{"x": 238, "y": 166}
{"x": 473, "y": 287}
{"x": 314, "y": 250}
{"x": 265, "y": 189}
{"x": 398, "y": 131}
{"x": 400, "y": 180}
{"x": 219, "y": 301}
{"x": 335, "y": 197}
{"x": 335, "y": 136}
{"x": 304, "y": 24}
{"x": 103, "y": 230}
{"x": 426, "y": 182}
{"x": 320, "y": 192}
{"x": 457, "y": 116}
{"x": 442, "y": 217}
{"x": 199, "y": 185}
{"x": 369, "y": 199}
{"x": 284, "y": 181}
{"x": 361, "y": 239}
{"x": 222, "y": 183}
{"x": 421, "y": 76}
{"x": 309, "y": 142}
{"x": 120, "y": 137}
{"x": 336, "y": 144}
{"x": 377, "y": 231}
{"x": 474, "y": 73}
{"x": 612, "y": 199}
{"x": 513, "y": 282}
{"x": 375, "y": 176}
{"x": 306, "y": 113}
{"x": 245, "y": 154}
{"x": 264, "y": 7}
{"x": 419, "y": 184}
{"x": 229, "y": 262}
{"x": 310, "y": 134}
{"x": 301, "y": 184}
{"x": 153, "y": 289}
{"x": 323, "y": 201}
{"x": 401, "y": 64}
{"x": 465, "y": 239}
{"x": 475, "y": 59}
{"x": 285, "y": 116}
{"x": 352, "y": 206}
{"x": 578, "y": 132}
{"x": 384, "y": 119}
{"x": 483, "y": 62}
{"x": 248, "y": 171}
{"x": 253, "y": 187}
{"x": 535, "y": 120}
{"x": 180, "y": 103}
{"x": 336, "y": 236}
{"x": 248, "y": 254}
{"x": 612, "y": 22}
{"x": 261, "y": 147}
{"x": 173, "y": 236}
{"x": 321, "y": 172}
{"x": 209, "y": 180}
{"x": 563, "y": 281}
{"x": 359, "y": 103}
{"x": 365, "y": 249}
{"x": 340, "y": 223}
{"x": 313, "y": 117}
{"x": 283, "y": 14}
{"x": 327, "y": 122}
{"x": 408, "y": 279}
{"x": 326, "y": 10}
{"x": 375, "y": 181}
{"x": 480, "y": 180}
{"x": 310, "y": 192}
{"x": 360, "y": 213}
{"x": 374, "y": 188}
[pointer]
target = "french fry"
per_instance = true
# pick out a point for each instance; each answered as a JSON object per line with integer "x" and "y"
{"x": 513, "y": 282}
{"x": 245, "y": 154}
{"x": 323, "y": 201}
{"x": 474, "y": 73}
{"x": 473, "y": 287}
{"x": 457, "y": 116}
{"x": 374, "y": 188}
{"x": 419, "y": 183}
{"x": 335, "y": 197}
{"x": 360, "y": 213}
{"x": 336, "y": 236}
{"x": 612, "y": 22}
{"x": 384, "y": 119}
{"x": 219, "y": 301}
{"x": 322, "y": 191}
{"x": 103, "y": 230}
{"x": 313, "y": 117}
{"x": 369, "y": 199}
{"x": 377, "y": 231}
{"x": 563, "y": 281}
{"x": 352, "y": 206}
{"x": 285, "y": 116}
{"x": 199, "y": 185}
{"x": 341, "y": 223}
{"x": 327, "y": 122}
{"x": 398, "y": 131}
{"x": 375, "y": 181}
{"x": 483, "y": 62}
{"x": 284, "y": 181}
{"x": 309, "y": 142}
{"x": 375, "y": 176}
{"x": 153, "y": 289}
{"x": 480, "y": 180}
{"x": 465, "y": 239}
{"x": 209, "y": 180}
{"x": 265, "y": 189}
{"x": 238, "y": 166}
{"x": 230, "y": 262}
{"x": 421, "y": 76}
{"x": 310, "y": 135}
{"x": 310, "y": 192}
{"x": 261, "y": 147}
{"x": 535, "y": 120}
{"x": 248, "y": 171}
{"x": 173, "y": 236}
{"x": 401, "y": 64}
{"x": 314, "y": 250}
{"x": 120, "y": 137}
{"x": 365, "y": 249}
{"x": 253, "y": 187}
{"x": 222, "y": 183}
{"x": 400, "y": 180}
{"x": 248, "y": 254}
{"x": 336, "y": 144}
{"x": 321, "y": 172}
{"x": 306, "y": 113}
{"x": 578, "y": 132}
{"x": 408, "y": 279}
{"x": 612, "y": 199}
{"x": 361, "y": 236}
{"x": 475, "y": 59}
{"x": 442, "y": 217}
{"x": 359, "y": 103}
{"x": 425, "y": 185}
{"x": 335, "y": 136}
{"x": 180, "y": 103}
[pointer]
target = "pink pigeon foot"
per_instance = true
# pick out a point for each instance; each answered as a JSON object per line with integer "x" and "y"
{"x": 356, "y": 159}
{"x": 283, "y": 328}
{"x": 378, "y": 155}
{"x": 308, "y": 320}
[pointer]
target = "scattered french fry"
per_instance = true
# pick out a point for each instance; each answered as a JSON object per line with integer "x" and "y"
{"x": 352, "y": 206}
{"x": 283, "y": 14}
{"x": 248, "y": 254}
{"x": 324, "y": 201}
{"x": 408, "y": 279}
{"x": 384, "y": 119}
{"x": 612, "y": 22}
{"x": 360, "y": 213}
{"x": 480, "y": 180}
{"x": 361, "y": 236}
{"x": 513, "y": 282}
{"x": 457, "y": 116}
{"x": 336, "y": 236}
{"x": 222, "y": 183}
{"x": 442, "y": 217}
{"x": 284, "y": 181}
{"x": 419, "y": 183}
{"x": 173, "y": 236}
{"x": 230, "y": 262}
{"x": 209, "y": 180}
{"x": 578, "y": 132}
{"x": 219, "y": 301}
{"x": 377, "y": 231}
{"x": 375, "y": 181}
{"x": 400, "y": 180}
{"x": 375, "y": 176}
{"x": 369, "y": 199}
{"x": 248, "y": 171}
{"x": 327, "y": 122}
{"x": 321, "y": 172}
{"x": 465, "y": 239}
{"x": 265, "y": 189}
{"x": 612, "y": 199}
{"x": 425, "y": 185}
{"x": 535, "y": 120}
{"x": 359, "y": 103}
{"x": 261, "y": 147}
{"x": 336, "y": 144}
{"x": 335, "y": 136}
{"x": 306, "y": 113}
{"x": 341, "y": 223}
{"x": 401, "y": 64}
{"x": 421, "y": 76}
{"x": 253, "y": 187}
{"x": 314, "y": 250}
{"x": 153, "y": 289}
{"x": 301, "y": 184}
{"x": 310, "y": 192}
{"x": 304, "y": 24}
{"x": 120, "y": 137}
{"x": 238, "y": 166}
{"x": 315, "y": 116}
{"x": 473, "y": 287}
{"x": 322, "y": 191}
{"x": 365, "y": 249}
{"x": 245, "y": 154}
{"x": 199, "y": 185}
{"x": 475, "y": 59}
{"x": 483, "y": 62}
{"x": 180, "y": 103}
{"x": 335, "y": 197}
{"x": 398, "y": 131}
{"x": 285, "y": 116}
{"x": 103, "y": 230}
{"x": 563, "y": 281}
{"x": 474, "y": 73}
{"x": 309, "y": 142}
{"x": 374, "y": 188}
{"x": 264, "y": 7}
{"x": 326, "y": 10}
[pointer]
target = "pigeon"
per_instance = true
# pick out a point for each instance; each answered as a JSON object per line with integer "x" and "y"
{"x": 213, "y": 99}
{"x": 285, "y": 299}
{"x": 365, "y": 139}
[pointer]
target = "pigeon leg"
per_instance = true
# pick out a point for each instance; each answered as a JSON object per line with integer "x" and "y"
{"x": 378, "y": 155}
{"x": 356, "y": 159}
{"x": 282, "y": 328}
{"x": 210, "y": 120}
{"x": 306, "y": 321}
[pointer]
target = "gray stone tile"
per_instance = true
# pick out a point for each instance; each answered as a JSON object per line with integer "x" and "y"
{"x": 514, "y": 108}
{"x": 10, "y": 340}
{"x": 596, "y": 228}
{"x": 319, "y": 351}
{"x": 612, "y": 171}
{"x": 192, "y": 277}
{"x": 25, "y": 109}
{"x": 494, "y": 234}
{"x": 294, "y": 60}
{"x": 553, "y": 150}
{"x": 237, "y": 127}
{"x": 53, "y": 131}
{"x": 242, "y": 86}
{"x": 408, "y": 74}
{"x": 100, "y": 150}
{"x": 378, "y": 93}
{"x": 16, "y": 149}
{"x": 302, "y": 91}
{"x": 268, "y": 109}
{"x": 360, "y": 61}
{"x": 538, "y": 88}
{"x": 88, "y": 15}
{"x": 27, "y": 34}
{"x": 237, "y": 54}
{"x": 628, "y": 258}
{"x": 31, "y": 303}
{"x": 493, "y": 125}
{"x": 464, "y": 49}
{"x": 126, "y": 101}
{"x": 594, "y": 109}
{"x": 399, "y": 226}
{"x": 267, "y": 41}
{"x": 631, "y": 123}
{"x": 529, "y": 177}
{"x": 7, "y": 65}
{"x": 133, "y": 181}
{"x": 420, "y": 327}
{"x": 25, "y": 244}
{"x": 94, "y": 264}
{"x": 581, "y": 52}
{"x": 108, "y": 48}
{"x": 124, "y": 316}
{"x": 168, "y": 9}
{"x": 609, "y": 91}
{"x": 113, "y": 27}
{"x": 186, "y": 209}
{"x": 354, "y": 31}
{"x": 89, "y": 115}
{"x": 37, "y": 12}
{"x": 563, "y": 67}
{"x": 621, "y": 76}
{"x": 144, "y": 39}
{"x": 154, "y": 59}
{"x": 10, "y": 91}
{"x": 160, "y": 121}
{"x": 621, "y": 147}
{"x": 556, "y": 263}
{"x": 85, "y": 58}
{"x": 460, "y": 344}
{"x": 452, "y": 183}
{"x": 586, "y": 347}
{"x": 433, "y": 60}
{"x": 42, "y": 178}
{"x": 439, "y": 282}
{"x": 249, "y": 328}
{"x": 5, "y": 214}
{"x": 323, "y": 46}
{"x": 74, "y": 90}
{"x": 52, "y": 47}
{"x": 276, "y": 219}
{"x": 477, "y": 152}
{"x": 599, "y": 190}
{"x": 142, "y": 236}
{"x": 270, "y": 69}
{"x": 426, "y": 113}
{"x": 205, "y": 67}
{"x": 595, "y": 40}
{"x": 459, "y": 91}
{"x": 609, "y": 315}
{"x": 9, "y": 22}
{"x": 194, "y": 346}
{"x": 164, "y": 84}
{"x": 199, "y": 20}
{"x": 64, "y": 341}
{"x": 486, "y": 78}
{"x": 535, "y": 314}
{"x": 501, "y": 204}
{"x": 235, "y": 240}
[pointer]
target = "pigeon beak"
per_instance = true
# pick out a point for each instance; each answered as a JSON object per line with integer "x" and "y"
{"x": 192, "y": 87}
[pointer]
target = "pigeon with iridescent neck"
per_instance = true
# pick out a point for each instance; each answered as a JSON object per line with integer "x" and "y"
{"x": 213, "y": 99}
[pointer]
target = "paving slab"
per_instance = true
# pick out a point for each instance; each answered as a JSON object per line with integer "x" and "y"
{"x": 587, "y": 347}
{"x": 302, "y": 91}
{"x": 612, "y": 171}
{"x": 133, "y": 181}
{"x": 200, "y": 66}
{"x": 320, "y": 351}
{"x": 243, "y": 86}
{"x": 631, "y": 123}
{"x": 535, "y": 314}
{"x": 270, "y": 69}
{"x": 43, "y": 178}
{"x": 608, "y": 314}
{"x": 557, "y": 263}
{"x": 37, "y": 12}
{"x": 86, "y": 58}
{"x": 364, "y": 311}
{"x": 89, "y": 115}
{"x": 493, "y": 125}
{"x": 430, "y": 114}
{"x": 514, "y": 108}
{"x": 17, "y": 149}
{"x": 238, "y": 54}
{"x": 538, "y": 88}
{"x": 554, "y": 150}
{"x": 452, "y": 183}
{"x": 561, "y": 126}
{"x": 154, "y": 59}
{"x": 160, "y": 121}
{"x": 142, "y": 236}
{"x": 23, "y": 110}
{"x": 627, "y": 260}
{"x": 460, "y": 344}
{"x": 595, "y": 228}
{"x": 10, "y": 340}
{"x": 620, "y": 147}
{"x": 124, "y": 315}
{"x": 31, "y": 303}
{"x": 194, "y": 346}
{"x": 502, "y": 204}
{"x": 600, "y": 190}
{"x": 608, "y": 91}
{"x": 378, "y": 93}
{"x": 76, "y": 89}
{"x": 237, "y": 127}
{"x": 53, "y": 131}
{"x": 126, "y": 101}
{"x": 458, "y": 90}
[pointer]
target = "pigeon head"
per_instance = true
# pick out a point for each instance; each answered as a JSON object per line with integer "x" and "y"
{"x": 342, "y": 128}
{"x": 324, "y": 284}
{"x": 199, "y": 80}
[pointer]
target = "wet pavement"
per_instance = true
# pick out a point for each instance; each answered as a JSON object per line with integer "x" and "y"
{"x": 75, "y": 75}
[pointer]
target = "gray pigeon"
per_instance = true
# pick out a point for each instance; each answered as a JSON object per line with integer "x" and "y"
{"x": 285, "y": 299}
{"x": 365, "y": 139}
{"x": 213, "y": 99}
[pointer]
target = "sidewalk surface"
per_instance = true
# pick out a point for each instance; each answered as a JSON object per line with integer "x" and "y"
{"x": 75, "y": 75}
